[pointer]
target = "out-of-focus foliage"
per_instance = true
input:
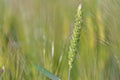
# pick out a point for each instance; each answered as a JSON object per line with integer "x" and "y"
{"x": 38, "y": 31}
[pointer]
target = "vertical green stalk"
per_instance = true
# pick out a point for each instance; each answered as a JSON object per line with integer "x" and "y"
{"x": 75, "y": 40}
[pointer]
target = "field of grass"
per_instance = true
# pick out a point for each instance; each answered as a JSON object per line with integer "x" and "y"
{"x": 40, "y": 32}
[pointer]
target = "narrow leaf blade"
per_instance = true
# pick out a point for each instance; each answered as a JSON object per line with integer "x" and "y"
{"x": 46, "y": 72}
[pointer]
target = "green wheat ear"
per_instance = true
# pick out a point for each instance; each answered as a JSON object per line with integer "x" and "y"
{"x": 75, "y": 37}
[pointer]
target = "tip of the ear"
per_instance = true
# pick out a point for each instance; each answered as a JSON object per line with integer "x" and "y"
{"x": 80, "y": 6}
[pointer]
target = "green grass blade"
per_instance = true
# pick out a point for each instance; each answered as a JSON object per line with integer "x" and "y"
{"x": 46, "y": 72}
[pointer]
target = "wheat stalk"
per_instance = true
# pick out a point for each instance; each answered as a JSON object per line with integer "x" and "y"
{"x": 75, "y": 39}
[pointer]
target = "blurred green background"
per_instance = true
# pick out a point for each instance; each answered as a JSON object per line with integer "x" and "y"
{"x": 39, "y": 31}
